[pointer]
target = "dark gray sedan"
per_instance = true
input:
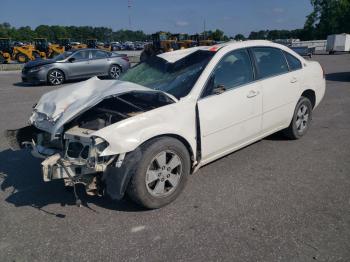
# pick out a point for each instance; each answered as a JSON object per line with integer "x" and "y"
{"x": 78, "y": 64}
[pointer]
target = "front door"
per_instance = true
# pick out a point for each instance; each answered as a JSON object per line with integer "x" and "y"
{"x": 80, "y": 65}
{"x": 231, "y": 106}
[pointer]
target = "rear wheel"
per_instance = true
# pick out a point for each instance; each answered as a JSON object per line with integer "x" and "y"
{"x": 55, "y": 77}
{"x": 161, "y": 174}
{"x": 114, "y": 72}
{"x": 22, "y": 58}
{"x": 301, "y": 119}
{"x": 2, "y": 59}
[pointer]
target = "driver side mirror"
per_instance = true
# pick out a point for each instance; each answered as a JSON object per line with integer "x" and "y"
{"x": 71, "y": 60}
{"x": 219, "y": 89}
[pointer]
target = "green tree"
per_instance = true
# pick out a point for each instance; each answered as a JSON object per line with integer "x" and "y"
{"x": 239, "y": 37}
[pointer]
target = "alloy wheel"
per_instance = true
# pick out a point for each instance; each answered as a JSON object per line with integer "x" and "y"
{"x": 302, "y": 118}
{"x": 163, "y": 174}
{"x": 56, "y": 77}
{"x": 115, "y": 72}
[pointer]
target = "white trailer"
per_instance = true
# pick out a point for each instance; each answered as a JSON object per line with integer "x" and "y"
{"x": 338, "y": 43}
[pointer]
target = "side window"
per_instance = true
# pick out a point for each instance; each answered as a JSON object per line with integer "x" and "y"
{"x": 235, "y": 69}
{"x": 81, "y": 55}
{"x": 293, "y": 62}
{"x": 96, "y": 54}
{"x": 270, "y": 61}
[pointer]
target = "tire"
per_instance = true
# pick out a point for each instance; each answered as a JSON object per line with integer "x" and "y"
{"x": 2, "y": 59}
{"x": 114, "y": 72}
{"x": 22, "y": 58}
{"x": 152, "y": 185}
{"x": 55, "y": 77}
{"x": 301, "y": 119}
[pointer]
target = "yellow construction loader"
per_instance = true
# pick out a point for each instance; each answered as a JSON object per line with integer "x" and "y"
{"x": 46, "y": 50}
{"x": 21, "y": 54}
{"x": 161, "y": 42}
{"x": 183, "y": 41}
{"x": 202, "y": 40}
{"x": 93, "y": 43}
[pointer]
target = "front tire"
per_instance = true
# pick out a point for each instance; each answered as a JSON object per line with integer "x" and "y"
{"x": 161, "y": 173}
{"x": 22, "y": 58}
{"x": 114, "y": 72}
{"x": 301, "y": 119}
{"x": 55, "y": 77}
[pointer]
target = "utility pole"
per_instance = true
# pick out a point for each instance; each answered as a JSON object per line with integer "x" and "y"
{"x": 129, "y": 12}
{"x": 204, "y": 33}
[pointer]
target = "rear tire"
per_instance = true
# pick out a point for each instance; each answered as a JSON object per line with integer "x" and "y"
{"x": 22, "y": 58}
{"x": 301, "y": 119}
{"x": 55, "y": 77}
{"x": 161, "y": 173}
{"x": 114, "y": 72}
{"x": 2, "y": 59}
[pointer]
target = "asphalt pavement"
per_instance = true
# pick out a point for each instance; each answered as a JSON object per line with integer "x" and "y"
{"x": 275, "y": 200}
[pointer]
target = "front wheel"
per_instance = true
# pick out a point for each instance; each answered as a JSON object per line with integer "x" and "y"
{"x": 22, "y": 58}
{"x": 161, "y": 174}
{"x": 114, "y": 72}
{"x": 55, "y": 77}
{"x": 301, "y": 119}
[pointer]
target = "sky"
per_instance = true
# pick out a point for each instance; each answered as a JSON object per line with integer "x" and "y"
{"x": 177, "y": 16}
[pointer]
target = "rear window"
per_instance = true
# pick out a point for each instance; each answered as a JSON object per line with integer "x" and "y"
{"x": 293, "y": 62}
{"x": 270, "y": 61}
{"x": 96, "y": 54}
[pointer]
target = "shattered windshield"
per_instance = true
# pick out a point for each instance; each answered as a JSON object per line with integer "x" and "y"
{"x": 176, "y": 78}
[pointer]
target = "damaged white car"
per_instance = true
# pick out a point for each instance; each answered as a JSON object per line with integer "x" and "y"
{"x": 168, "y": 116}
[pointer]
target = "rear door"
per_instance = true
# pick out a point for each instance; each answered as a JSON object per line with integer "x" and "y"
{"x": 280, "y": 87}
{"x": 230, "y": 107}
{"x": 99, "y": 62}
{"x": 79, "y": 67}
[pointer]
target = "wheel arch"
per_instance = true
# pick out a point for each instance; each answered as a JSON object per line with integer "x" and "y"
{"x": 311, "y": 95}
{"x": 181, "y": 139}
{"x": 55, "y": 68}
{"x": 117, "y": 180}
{"x": 116, "y": 64}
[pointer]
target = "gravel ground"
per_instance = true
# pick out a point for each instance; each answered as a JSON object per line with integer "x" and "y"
{"x": 276, "y": 200}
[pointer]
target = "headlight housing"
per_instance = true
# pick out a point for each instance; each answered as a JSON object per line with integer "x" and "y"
{"x": 36, "y": 69}
{"x": 99, "y": 144}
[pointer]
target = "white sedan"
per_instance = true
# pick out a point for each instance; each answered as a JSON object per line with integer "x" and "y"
{"x": 166, "y": 117}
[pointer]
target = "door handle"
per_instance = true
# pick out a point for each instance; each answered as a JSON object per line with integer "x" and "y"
{"x": 294, "y": 80}
{"x": 252, "y": 93}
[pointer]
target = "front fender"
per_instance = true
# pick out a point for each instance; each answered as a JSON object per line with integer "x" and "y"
{"x": 175, "y": 119}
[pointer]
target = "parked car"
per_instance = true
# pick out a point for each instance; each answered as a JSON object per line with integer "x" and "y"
{"x": 116, "y": 46}
{"x": 128, "y": 46}
{"x": 169, "y": 116}
{"x": 75, "y": 64}
{"x": 139, "y": 46}
{"x": 304, "y": 50}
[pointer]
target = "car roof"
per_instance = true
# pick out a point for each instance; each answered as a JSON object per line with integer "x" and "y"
{"x": 174, "y": 56}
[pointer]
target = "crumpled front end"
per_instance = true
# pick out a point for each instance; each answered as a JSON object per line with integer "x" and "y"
{"x": 70, "y": 144}
{"x": 74, "y": 157}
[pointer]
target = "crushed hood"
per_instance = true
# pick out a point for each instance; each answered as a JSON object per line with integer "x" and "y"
{"x": 58, "y": 107}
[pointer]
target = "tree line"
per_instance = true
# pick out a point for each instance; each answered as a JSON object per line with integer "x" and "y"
{"x": 75, "y": 33}
{"x": 328, "y": 17}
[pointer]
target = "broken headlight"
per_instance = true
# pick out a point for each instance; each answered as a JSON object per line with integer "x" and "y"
{"x": 99, "y": 144}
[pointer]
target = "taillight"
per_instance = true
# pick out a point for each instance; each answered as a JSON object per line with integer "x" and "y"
{"x": 126, "y": 58}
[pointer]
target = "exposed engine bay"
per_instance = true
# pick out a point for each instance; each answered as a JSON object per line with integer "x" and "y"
{"x": 75, "y": 155}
